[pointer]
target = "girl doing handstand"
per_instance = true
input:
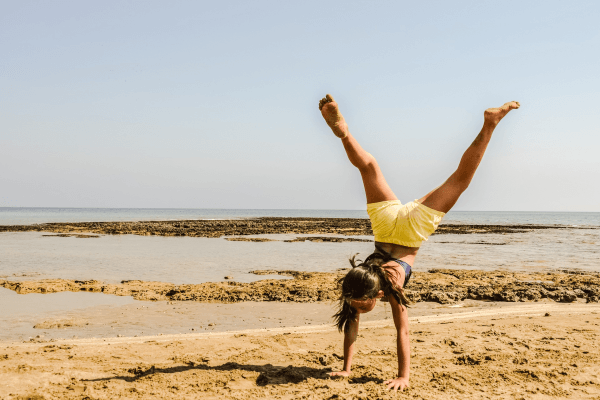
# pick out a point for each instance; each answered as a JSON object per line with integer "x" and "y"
{"x": 399, "y": 231}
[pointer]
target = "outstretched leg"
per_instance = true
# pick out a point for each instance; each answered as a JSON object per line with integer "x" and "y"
{"x": 444, "y": 197}
{"x": 376, "y": 188}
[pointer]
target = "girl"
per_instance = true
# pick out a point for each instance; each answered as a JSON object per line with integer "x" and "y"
{"x": 399, "y": 231}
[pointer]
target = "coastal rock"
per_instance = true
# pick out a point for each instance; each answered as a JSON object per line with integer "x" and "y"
{"x": 509, "y": 296}
{"x": 438, "y": 297}
{"x": 61, "y": 324}
{"x": 592, "y": 294}
{"x": 242, "y": 239}
{"x": 531, "y": 295}
{"x": 443, "y": 286}
{"x": 326, "y": 239}
{"x": 251, "y": 226}
{"x": 563, "y": 296}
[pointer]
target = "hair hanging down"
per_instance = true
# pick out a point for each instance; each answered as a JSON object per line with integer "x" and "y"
{"x": 364, "y": 281}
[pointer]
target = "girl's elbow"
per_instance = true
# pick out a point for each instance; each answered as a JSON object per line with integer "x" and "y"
{"x": 401, "y": 324}
{"x": 402, "y": 329}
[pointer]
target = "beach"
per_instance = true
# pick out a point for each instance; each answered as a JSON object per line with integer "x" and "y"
{"x": 196, "y": 195}
{"x": 497, "y": 311}
{"x": 541, "y": 351}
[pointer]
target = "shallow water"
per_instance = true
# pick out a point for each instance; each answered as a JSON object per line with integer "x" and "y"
{"x": 20, "y": 312}
{"x": 31, "y": 255}
{"x": 569, "y": 249}
{"x": 16, "y": 306}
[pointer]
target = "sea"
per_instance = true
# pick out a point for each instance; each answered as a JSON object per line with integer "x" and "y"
{"x": 34, "y": 215}
{"x": 573, "y": 245}
{"x": 179, "y": 260}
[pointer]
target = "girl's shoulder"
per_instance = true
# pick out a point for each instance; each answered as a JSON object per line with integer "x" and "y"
{"x": 396, "y": 273}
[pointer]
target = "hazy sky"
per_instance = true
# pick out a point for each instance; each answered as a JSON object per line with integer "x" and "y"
{"x": 198, "y": 104}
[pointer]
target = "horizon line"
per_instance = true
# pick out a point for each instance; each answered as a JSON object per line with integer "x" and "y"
{"x": 267, "y": 209}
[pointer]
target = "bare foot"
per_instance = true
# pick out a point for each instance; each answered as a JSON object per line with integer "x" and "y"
{"x": 494, "y": 115}
{"x": 333, "y": 116}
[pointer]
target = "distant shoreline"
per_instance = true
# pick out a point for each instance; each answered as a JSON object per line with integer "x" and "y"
{"x": 30, "y": 216}
{"x": 259, "y": 226}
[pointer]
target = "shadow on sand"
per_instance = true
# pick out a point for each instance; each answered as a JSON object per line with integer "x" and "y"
{"x": 269, "y": 374}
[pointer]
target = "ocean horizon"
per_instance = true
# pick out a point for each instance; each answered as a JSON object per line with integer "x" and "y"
{"x": 42, "y": 215}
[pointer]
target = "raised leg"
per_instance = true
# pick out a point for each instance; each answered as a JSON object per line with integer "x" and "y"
{"x": 445, "y": 196}
{"x": 376, "y": 187}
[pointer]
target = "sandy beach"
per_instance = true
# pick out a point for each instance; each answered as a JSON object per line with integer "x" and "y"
{"x": 533, "y": 352}
{"x": 525, "y": 333}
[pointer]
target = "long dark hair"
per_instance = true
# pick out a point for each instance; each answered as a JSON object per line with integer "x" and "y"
{"x": 364, "y": 281}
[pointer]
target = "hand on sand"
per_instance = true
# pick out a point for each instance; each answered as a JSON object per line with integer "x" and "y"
{"x": 340, "y": 373}
{"x": 398, "y": 383}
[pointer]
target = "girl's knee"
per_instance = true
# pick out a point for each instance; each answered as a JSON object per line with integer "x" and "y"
{"x": 369, "y": 164}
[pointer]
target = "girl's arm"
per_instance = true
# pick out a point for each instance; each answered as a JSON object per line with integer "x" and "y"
{"x": 349, "y": 339}
{"x": 400, "y": 314}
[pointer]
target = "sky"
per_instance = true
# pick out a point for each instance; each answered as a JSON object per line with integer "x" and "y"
{"x": 197, "y": 104}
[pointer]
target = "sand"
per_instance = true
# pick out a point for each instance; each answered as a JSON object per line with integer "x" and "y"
{"x": 514, "y": 353}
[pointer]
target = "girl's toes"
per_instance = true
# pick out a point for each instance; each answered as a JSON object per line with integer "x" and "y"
{"x": 329, "y": 98}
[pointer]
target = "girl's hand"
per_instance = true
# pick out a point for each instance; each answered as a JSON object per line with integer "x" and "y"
{"x": 398, "y": 383}
{"x": 340, "y": 373}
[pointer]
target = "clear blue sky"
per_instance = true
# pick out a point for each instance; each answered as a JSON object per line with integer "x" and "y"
{"x": 214, "y": 104}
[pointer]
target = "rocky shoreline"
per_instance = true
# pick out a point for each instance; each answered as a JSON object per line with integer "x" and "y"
{"x": 444, "y": 286}
{"x": 254, "y": 226}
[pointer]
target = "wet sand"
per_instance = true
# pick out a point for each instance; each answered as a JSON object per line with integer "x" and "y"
{"x": 89, "y": 317}
{"x": 529, "y": 351}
